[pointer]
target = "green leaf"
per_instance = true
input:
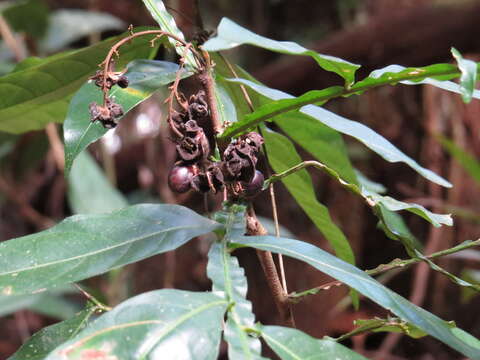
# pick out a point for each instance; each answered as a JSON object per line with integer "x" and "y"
{"x": 28, "y": 16}
{"x": 159, "y": 324}
{"x": 469, "y": 75}
{"x": 355, "y": 129}
{"x": 13, "y": 303}
{"x": 292, "y": 344}
{"x": 464, "y": 158}
{"x": 364, "y": 284}
{"x": 282, "y": 156}
{"x": 145, "y": 77}
{"x": 31, "y": 98}
{"x": 230, "y": 35}
{"x": 69, "y": 25}
{"x": 435, "y": 75}
{"x": 167, "y": 23}
{"x": 50, "y": 337}
{"x": 227, "y": 276}
{"x": 391, "y": 324}
{"x": 86, "y": 245}
{"x": 323, "y": 143}
{"x": 89, "y": 191}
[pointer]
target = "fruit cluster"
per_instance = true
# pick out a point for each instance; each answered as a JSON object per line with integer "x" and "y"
{"x": 195, "y": 169}
{"x": 109, "y": 112}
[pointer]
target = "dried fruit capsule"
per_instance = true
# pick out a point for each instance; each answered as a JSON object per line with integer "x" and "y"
{"x": 179, "y": 178}
{"x": 254, "y": 187}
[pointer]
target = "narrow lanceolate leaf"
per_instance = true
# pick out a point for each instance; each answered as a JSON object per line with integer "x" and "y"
{"x": 464, "y": 158}
{"x": 293, "y": 344}
{"x": 323, "y": 143}
{"x": 86, "y": 245}
{"x": 167, "y": 23}
{"x": 227, "y": 276}
{"x": 159, "y": 324}
{"x": 469, "y": 75}
{"x": 145, "y": 77}
{"x": 37, "y": 95}
{"x": 366, "y": 285}
{"x": 49, "y": 338}
{"x": 89, "y": 191}
{"x": 282, "y": 156}
{"x": 364, "y": 134}
{"x": 230, "y": 35}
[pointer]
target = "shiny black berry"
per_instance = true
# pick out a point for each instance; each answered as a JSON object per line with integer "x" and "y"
{"x": 254, "y": 187}
{"x": 179, "y": 178}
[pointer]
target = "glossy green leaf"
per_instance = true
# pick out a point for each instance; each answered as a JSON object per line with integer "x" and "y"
{"x": 50, "y": 337}
{"x": 31, "y": 98}
{"x": 355, "y": 129}
{"x": 167, "y": 23}
{"x": 323, "y": 143}
{"x": 227, "y": 276}
{"x": 230, "y": 35}
{"x": 145, "y": 77}
{"x": 293, "y": 344}
{"x": 69, "y": 25}
{"x": 365, "y": 285}
{"x": 159, "y": 324}
{"x": 464, "y": 158}
{"x": 86, "y": 245}
{"x": 282, "y": 156}
{"x": 469, "y": 75}
{"x": 89, "y": 191}
{"x": 435, "y": 75}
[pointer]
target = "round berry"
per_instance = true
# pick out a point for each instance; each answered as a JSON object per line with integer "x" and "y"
{"x": 254, "y": 187}
{"x": 179, "y": 178}
{"x": 123, "y": 82}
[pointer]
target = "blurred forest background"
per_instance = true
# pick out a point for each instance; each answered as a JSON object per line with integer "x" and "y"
{"x": 138, "y": 155}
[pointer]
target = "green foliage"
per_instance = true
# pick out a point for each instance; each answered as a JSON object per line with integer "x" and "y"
{"x": 145, "y": 77}
{"x": 35, "y": 269}
{"x": 88, "y": 245}
{"x": 182, "y": 324}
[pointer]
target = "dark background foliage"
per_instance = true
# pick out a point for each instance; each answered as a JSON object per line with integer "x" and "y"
{"x": 372, "y": 33}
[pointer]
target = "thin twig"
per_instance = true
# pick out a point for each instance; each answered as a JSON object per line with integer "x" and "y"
{"x": 255, "y": 228}
{"x": 208, "y": 84}
{"x": 92, "y": 298}
{"x": 394, "y": 264}
{"x": 10, "y": 40}
{"x": 271, "y": 187}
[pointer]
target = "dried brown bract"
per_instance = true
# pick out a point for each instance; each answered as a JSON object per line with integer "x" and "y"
{"x": 107, "y": 114}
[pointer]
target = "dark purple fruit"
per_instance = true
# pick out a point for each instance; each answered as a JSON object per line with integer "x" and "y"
{"x": 122, "y": 82}
{"x": 179, "y": 178}
{"x": 254, "y": 187}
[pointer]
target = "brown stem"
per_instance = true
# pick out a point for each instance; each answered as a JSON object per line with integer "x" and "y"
{"x": 255, "y": 228}
{"x": 208, "y": 84}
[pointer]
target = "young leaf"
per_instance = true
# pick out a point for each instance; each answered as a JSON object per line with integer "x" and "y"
{"x": 366, "y": 285}
{"x": 88, "y": 245}
{"x": 89, "y": 191}
{"x": 355, "y": 129}
{"x": 167, "y": 23}
{"x": 282, "y": 156}
{"x": 230, "y": 35}
{"x": 469, "y": 75}
{"x": 159, "y": 324}
{"x": 227, "y": 276}
{"x": 35, "y": 96}
{"x": 50, "y": 337}
{"x": 292, "y": 344}
{"x": 145, "y": 77}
